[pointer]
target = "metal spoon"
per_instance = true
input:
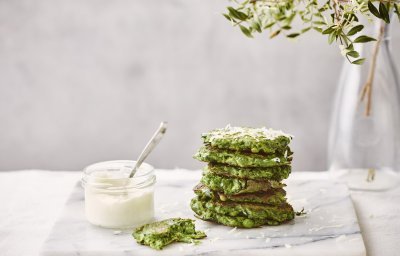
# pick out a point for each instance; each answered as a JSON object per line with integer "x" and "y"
{"x": 149, "y": 147}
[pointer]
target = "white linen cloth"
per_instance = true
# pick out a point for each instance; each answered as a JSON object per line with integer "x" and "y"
{"x": 31, "y": 200}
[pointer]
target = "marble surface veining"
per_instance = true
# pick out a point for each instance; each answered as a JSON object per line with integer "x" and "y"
{"x": 330, "y": 226}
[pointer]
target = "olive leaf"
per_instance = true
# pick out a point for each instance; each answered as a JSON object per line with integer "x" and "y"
{"x": 358, "y": 62}
{"x": 319, "y": 22}
{"x": 373, "y": 10}
{"x": 350, "y": 47}
{"x": 318, "y": 29}
{"x": 227, "y": 16}
{"x": 328, "y": 30}
{"x": 275, "y": 33}
{"x": 304, "y": 30}
{"x": 355, "y": 30}
{"x": 237, "y": 14}
{"x": 353, "y": 54}
{"x": 364, "y": 39}
{"x": 397, "y": 10}
{"x": 331, "y": 38}
{"x": 384, "y": 12}
{"x": 269, "y": 25}
{"x": 293, "y": 35}
{"x": 256, "y": 25}
{"x": 246, "y": 31}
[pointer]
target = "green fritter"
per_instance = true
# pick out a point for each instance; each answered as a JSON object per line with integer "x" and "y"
{"x": 280, "y": 214}
{"x": 241, "y": 159}
{"x": 256, "y": 173}
{"x": 273, "y": 197}
{"x": 232, "y": 186}
{"x": 248, "y": 139}
{"x": 238, "y": 221}
{"x": 159, "y": 234}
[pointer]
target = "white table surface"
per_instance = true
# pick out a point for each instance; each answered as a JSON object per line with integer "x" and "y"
{"x": 31, "y": 201}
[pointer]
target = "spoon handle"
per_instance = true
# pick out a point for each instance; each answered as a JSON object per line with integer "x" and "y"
{"x": 150, "y": 146}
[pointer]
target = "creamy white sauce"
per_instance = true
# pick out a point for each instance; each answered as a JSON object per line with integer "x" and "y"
{"x": 112, "y": 202}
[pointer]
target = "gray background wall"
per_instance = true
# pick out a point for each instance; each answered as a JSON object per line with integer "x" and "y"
{"x": 89, "y": 80}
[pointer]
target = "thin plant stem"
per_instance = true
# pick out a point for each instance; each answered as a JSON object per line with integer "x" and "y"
{"x": 367, "y": 88}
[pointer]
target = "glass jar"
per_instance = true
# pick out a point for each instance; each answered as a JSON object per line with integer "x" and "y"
{"x": 364, "y": 142}
{"x": 113, "y": 200}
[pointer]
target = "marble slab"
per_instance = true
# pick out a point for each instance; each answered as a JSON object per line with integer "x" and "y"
{"x": 330, "y": 226}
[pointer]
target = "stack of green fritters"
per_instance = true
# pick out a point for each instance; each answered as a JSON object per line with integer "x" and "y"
{"x": 242, "y": 184}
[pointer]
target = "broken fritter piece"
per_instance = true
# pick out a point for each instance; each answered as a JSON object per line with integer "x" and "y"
{"x": 159, "y": 234}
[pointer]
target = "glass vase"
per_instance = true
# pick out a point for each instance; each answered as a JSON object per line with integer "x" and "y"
{"x": 364, "y": 139}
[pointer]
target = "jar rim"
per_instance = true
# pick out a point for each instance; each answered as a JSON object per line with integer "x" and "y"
{"x": 143, "y": 177}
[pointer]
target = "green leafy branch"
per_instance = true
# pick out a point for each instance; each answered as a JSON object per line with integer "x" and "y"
{"x": 339, "y": 20}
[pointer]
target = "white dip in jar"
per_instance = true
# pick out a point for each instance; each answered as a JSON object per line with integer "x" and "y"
{"x": 113, "y": 200}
